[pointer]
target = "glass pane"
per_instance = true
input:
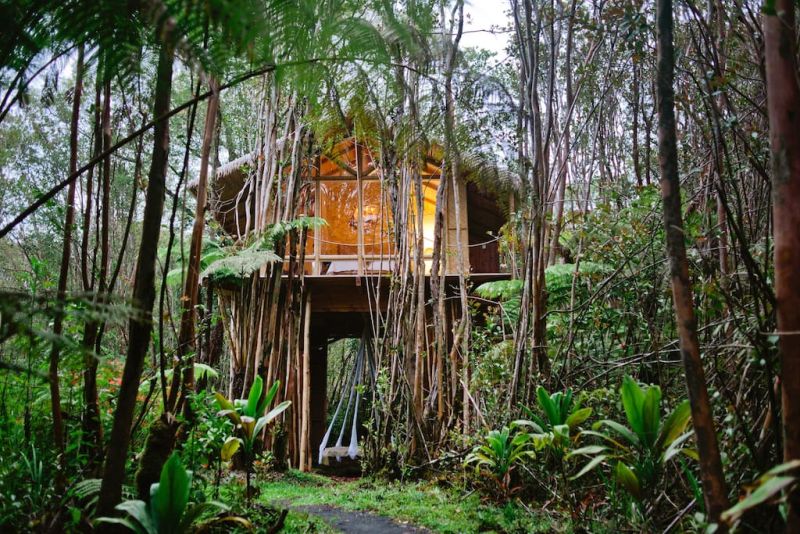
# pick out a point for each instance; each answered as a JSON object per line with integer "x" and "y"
{"x": 339, "y": 207}
{"x": 378, "y": 226}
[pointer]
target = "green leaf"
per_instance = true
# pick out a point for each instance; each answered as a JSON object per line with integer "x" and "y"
{"x": 779, "y": 469}
{"x": 651, "y": 415}
{"x": 229, "y": 448}
{"x": 276, "y": 411}
{"x": 762, "y": 494}
{"x": 267, "y": 400}
{"x": 632, "y": 438}
{"x": 254, "y": 397}
{"x": 676, "y": 446}
{"x": 202, "y": 370}
{"x": 525, "y": 423}
{"x": 674, "y": 425}
{"x": 547, "y": 405}
{"x": 627, "y": 479}
{"x": 594, "y": 462}
{"x": 589, "y": 450}
{"x": 223, "y": 402}
{"x": 632, "y": 401}
{"x": 138, "y": 511}
{"x": 577, "y": 417}
{"x": 233, "y": 415}
{"x": 127, "y": 523}
{"x": 170, "y": 495}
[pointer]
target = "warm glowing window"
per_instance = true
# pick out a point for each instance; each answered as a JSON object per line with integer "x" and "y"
{"x": 365, "y": 219}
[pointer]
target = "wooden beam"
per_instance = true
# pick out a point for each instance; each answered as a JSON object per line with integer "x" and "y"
{"x": 305, "y": 415}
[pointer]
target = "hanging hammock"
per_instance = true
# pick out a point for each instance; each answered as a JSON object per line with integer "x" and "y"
{"x": 352, "y": 389}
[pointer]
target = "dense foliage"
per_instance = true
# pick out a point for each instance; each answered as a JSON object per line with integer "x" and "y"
{"x": 633, "y": 370}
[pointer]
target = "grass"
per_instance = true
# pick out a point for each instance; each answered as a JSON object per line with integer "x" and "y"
{"x": 420, "y": 503}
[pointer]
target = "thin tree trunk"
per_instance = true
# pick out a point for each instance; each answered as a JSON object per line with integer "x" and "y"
{"x": 140, "y": 326}
{"x": 783, "y": 99}
{"x": 189, "y": 299}
{"x": 63, "y": 277}
{"x": 91, "y": 426}
{"x": 714, "y": 490}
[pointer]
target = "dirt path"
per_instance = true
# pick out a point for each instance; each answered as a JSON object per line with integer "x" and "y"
{"x": 351, "y": 522}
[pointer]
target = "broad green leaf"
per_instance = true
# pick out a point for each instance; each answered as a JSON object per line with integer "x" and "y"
{"x": 651, "y": 415}
{"x": 526, "y": 423}
{"x": 233, "y": 415}
{"x": 676, "y": 446}
{"x": 627, "y": 479}
{"x": 594, "y": 462}
{"x": 169, "y": 497}
{"x": 229, "y": 448}
{"x": 561, "y": 433}
{"x": 619, "y": 429}
{"x": 632, "y": 401}
{"x": 140, "y": 520}
{"x": 277, "y": 410}
{"x": 589, "y": 450}
{"x": 127, "y": 523}
{"x": 248, "y": 426}
{"x": 578, "y": 417}
{"x": 674, "y": 424}
{"x": 547, "y": 405}
{"x": 266, "y": 402}
{"x": 223, "y": 402}
{"x": 766, "y": 491}
{"x": 782, "y": 468}
{"x": 254, "y": 397}
{"x": 617, "y": 445}
{"x": 202, "y": 370}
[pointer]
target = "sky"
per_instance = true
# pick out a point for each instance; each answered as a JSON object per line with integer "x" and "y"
{"x": 481, "y": 17}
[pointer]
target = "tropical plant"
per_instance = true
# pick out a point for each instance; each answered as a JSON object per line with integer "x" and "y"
{"x": 638, "y": 453}
{"x": 502, "y": 452}
{"x": 249, "y": 421}
{"x": 773, "y": 486}
{"x": 562, "y": 415}
{"x": 235, "y": 264}
{"x": 169, "y": 510}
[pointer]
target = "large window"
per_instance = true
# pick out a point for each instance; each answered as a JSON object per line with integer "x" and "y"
{"x": 359, "y": 235}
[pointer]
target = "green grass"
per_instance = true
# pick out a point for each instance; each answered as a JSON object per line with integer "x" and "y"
{"x": 420, "y": 503}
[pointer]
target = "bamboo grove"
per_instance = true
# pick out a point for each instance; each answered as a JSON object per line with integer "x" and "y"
{"x": 163, "y": 251}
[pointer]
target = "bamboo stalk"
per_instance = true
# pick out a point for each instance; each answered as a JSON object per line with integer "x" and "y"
{"x": 305, "y": 421}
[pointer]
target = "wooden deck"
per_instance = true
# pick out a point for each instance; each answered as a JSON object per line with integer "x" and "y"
{"x": 361, "y": 294}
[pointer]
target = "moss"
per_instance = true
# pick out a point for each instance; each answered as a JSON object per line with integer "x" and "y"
{"x": 421, "y": 503}
{"x": 159, "y": 445}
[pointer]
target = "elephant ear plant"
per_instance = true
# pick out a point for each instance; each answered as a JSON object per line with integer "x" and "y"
{"x": 169, "y": 510}
{"x": 638, "y": 453}
{"x": 249, "y": 421}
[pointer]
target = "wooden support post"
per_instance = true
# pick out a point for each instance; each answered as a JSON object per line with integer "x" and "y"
{"x": 305, "y": 414}
{"x": 360, "y": 185}
{"x": 318, "y": 230}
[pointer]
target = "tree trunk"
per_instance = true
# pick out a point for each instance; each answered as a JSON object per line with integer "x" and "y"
{"x": 63, "y": 276}
{"x": 710, "y": 464}
{"x": 140, "y": 326}
{"x": 783, "y": 99}
{"x": 189, "y": 299}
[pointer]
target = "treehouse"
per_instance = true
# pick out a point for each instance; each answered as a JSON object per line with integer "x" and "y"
{"x": 373, "y": 234}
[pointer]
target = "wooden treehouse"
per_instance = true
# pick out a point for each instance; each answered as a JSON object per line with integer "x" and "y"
{"x": 348, "y": 264}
